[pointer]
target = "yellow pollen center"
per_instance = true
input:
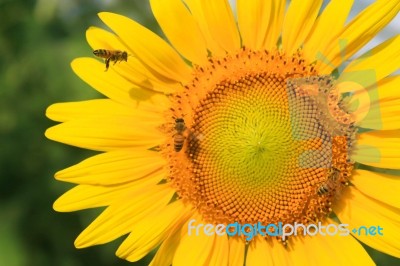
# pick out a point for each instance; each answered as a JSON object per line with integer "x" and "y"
{"x": 261, "y": 142}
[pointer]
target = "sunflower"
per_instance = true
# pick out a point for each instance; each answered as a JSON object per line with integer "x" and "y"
{"x": 259, "y": 118}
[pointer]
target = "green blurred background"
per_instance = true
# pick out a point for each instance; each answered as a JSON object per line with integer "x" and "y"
{"x": 39, "y": 39}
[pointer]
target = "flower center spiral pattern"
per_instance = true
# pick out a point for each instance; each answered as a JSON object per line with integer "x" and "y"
{"x": 267, "y": 140}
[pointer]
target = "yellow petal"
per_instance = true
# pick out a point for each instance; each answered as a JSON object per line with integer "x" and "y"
{"x": 259, "y": 252}
{"x": 383, "y": 60}
{"x": 388, "y": 90}
{"x": 320, "y": 249}
{"x": 62, "y": 112}
{"x": 121, "y": 217}
{"x": 336, "y": 250}
{"x": 133, "y": 70}
{"x": 299, "y": 250}
{"x": 99, "y": 38}
{"x": 379, "y": 149}
{"x": 88, "y": 196}
{"x": 376, "y": 107}
{"x": 219, "y": 17}
{"x": 148, "y": 47}
{"x": 379, "y": 186}
{"x": 152, "y": 230}
{"x": 254, "y": 18}
{"x": 327, "y": 27}
{"x": 106, "y": 134}
{"x": 323, "y": 255}
{"x": 193, "y": 248}
{"x": 282, "y": 255}
{"x": 108, "y": 83}
{"x": 198, "y": 14}
{"x": 181, "y": 29}
{"x": 299, "y": 19}
{"x": 166, "y": 251}
{"x": 357, "y": 210}
{"x": 383, "y": 117}
{"x": 275, "y": 25}
{"x": 357, "y": 33}
{"x": 347, "y": 249}
{"x": 236, "y": 251}
{"x": 219, "y": 251}
{"x": 113, "y": 168}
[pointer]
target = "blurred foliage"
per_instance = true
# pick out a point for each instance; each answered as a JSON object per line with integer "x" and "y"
{"x": 38, "y": 41}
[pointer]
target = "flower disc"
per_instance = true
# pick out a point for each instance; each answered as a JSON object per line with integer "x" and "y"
{"x": 262, "y": 142}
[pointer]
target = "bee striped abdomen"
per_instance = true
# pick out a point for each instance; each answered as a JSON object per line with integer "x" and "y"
{"x": 333, "y": 174}
{"x": 179, "y": 140}
{"x": 322, "y": 190}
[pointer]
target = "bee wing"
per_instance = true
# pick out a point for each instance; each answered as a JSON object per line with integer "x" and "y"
{"x": 192, "y": 135}
{"x": 167, "y": 128}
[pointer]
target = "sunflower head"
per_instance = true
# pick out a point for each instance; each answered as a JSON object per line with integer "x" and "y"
{"x": 248, "y": 120}
{"x": 261, "y": 140}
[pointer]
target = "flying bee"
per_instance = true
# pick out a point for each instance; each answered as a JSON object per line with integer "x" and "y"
{"x": 111, "y": 56}
{"x": 333, "y": 174}
{"x": 179, "y": 138}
